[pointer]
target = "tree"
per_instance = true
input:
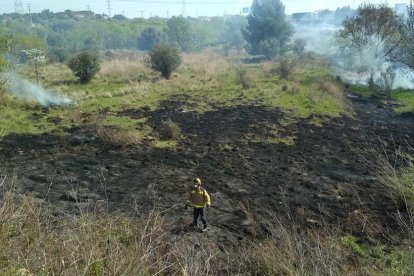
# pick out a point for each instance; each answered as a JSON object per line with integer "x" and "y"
{"x": 373, "y": 33}
{"x": 148, "y": 38}
{"x": 405, "y": 52}
{"x": 84, "y": 66}
{"x": 267, "y": 26}
{"x": 232, "y": 36}
{"x": 179, "y": 32}
{"x": 371, "y": 22}
{"x": 164, "y": 59}
{"x": 36, "y": 58}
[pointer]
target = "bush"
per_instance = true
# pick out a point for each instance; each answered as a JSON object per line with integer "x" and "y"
{"x": 244, "y": 78}
{"x": 285, "y": 67}
{"x": 164, "y": 59}
{"x": 298, "y": 46}
{"x": 84, "y": 66}
{"x": 170, "y": 131}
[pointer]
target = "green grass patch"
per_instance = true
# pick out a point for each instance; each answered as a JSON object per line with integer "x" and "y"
{"x": 406, "y": 99}
{"x": 363, "y": 91}
{"x": 302, "y": 96}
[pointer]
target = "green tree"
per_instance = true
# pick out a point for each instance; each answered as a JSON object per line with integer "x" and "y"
{"x": 267, "y": 26}
{"x": 232, "y": 36}
{"x": 84, "y": 66}
{"x": 148, "y": 38}
{"x": 179, "y": 32}
{"x": 164, "y": 59}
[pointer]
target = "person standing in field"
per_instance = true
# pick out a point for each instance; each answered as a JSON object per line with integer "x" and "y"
{"x": 199, "y": 199}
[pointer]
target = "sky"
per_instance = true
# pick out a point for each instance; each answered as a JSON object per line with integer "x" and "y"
{"x": 164, "y": 8}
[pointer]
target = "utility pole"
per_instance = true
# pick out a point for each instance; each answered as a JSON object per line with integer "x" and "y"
{"x": 142, "y": 14}
{"x": 108, "y": 5}
{"x": 18, "y": 6}
{"x": 168, "y": 14}
{"x": 30, "y": 15}
{"x": 184, "y": 11}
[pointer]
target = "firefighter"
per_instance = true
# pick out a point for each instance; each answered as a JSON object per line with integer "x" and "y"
{"x": 199, "y": 199}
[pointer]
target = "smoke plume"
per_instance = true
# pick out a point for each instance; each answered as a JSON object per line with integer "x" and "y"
{"x": 355, "y": 67}
{"x": 23, "y": 88}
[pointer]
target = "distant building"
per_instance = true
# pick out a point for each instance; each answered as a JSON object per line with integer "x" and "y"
{"x": 83, "y": 14}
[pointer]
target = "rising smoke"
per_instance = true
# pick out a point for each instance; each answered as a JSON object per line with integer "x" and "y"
{"x": 355, "y": 67}
{"x": 23, "y": 88}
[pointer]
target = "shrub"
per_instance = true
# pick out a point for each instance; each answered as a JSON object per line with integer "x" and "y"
{"x": 84, "y": 66}
{"x": 244, "y": 78}
{"x": 387, "y": 79}
{"x": 298, "y": 46}
{"x": 170, "y": 131}
{"x": 119, "y": 137}
{"x": 164, "y": 59}
{"x": 285, "y": 67}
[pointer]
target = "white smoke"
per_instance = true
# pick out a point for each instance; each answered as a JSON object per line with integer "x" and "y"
{"x": 355, "y": 67}
{"x": 23, "y": 88}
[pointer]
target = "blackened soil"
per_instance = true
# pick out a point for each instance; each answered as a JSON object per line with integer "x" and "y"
{"x": 327, "y": 176}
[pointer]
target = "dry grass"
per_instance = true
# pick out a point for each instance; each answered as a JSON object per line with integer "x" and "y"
{"x": 35, "y": 241}
{"x": 334, "y": 89}
{"x": 124, "y": 68}
{"x": 400, "y": 183}
{"x": 170, "y": 131}
{"x": 119, "y": 137}
{"x": 293, "y": 250}
{"x": 244, "y": 78}
{"x": 207, "y": 64}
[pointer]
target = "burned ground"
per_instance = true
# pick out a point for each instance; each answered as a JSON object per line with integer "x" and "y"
{"x": 328, "y": 174}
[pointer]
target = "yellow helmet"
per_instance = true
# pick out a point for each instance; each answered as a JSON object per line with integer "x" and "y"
{"x": 197, "y": 181}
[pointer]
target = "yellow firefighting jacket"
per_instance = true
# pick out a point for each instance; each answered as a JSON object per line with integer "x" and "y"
{"x": 199, "y": 198}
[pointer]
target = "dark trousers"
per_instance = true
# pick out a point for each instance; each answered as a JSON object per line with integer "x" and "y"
{"x": 199, "y": 213}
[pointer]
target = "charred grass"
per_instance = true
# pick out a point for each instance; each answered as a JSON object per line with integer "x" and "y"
{"x": 38, "y": 239}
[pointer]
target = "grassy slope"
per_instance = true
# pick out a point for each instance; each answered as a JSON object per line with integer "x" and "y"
{"x": 308, "y": 92}
{"x": 207, "y": 89}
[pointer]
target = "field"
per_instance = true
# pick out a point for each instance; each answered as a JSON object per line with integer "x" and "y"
{"x": 307, "y": 177}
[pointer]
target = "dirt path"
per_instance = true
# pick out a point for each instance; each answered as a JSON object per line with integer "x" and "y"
{"x": 326, "y": 175}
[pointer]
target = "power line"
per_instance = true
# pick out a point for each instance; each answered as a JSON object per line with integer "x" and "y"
{"x": 30, "y": 14}
{"x": 18, "y": 6}
{"x": 108, "y": 5}
{"x": 184, "y": 10}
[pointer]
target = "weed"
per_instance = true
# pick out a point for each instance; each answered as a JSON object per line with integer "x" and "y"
{"x": 285, "y": 67}
{"x": 244, "y": 78}
{"x": 119, "y": 137}
{"x": 170, "y": 131}
{"x": 207, "y": 64}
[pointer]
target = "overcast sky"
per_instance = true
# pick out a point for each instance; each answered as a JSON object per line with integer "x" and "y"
{"x": 133, "y": 8}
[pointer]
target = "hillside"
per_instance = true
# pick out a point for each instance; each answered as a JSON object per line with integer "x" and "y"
{"x": 298, "y": 160}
